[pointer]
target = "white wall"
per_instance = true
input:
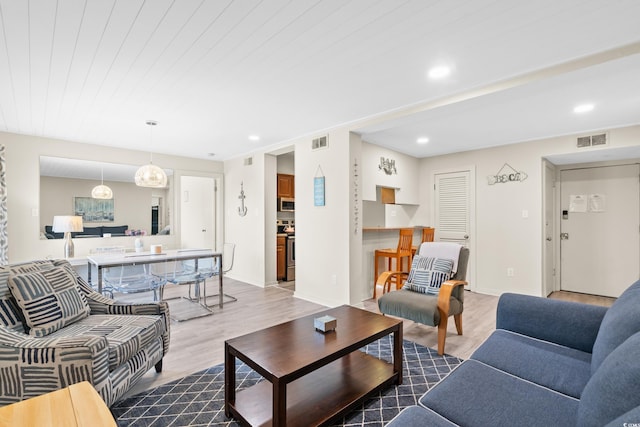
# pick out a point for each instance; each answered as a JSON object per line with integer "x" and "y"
{"x": 405, "y": 181}
{"x": 323, "y": 232}
{"x": 23, "y": 190}
{"x": 504, "y": 238}
{"x": 248, "y": 232}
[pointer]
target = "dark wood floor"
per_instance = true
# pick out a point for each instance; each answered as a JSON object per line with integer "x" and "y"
{"x": 199, "y": 343}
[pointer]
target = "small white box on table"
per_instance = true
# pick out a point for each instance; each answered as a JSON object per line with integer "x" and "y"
{"x": 325, "y": 323}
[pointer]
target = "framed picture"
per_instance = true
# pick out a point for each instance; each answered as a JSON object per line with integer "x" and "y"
{"x": 93, "y": 210}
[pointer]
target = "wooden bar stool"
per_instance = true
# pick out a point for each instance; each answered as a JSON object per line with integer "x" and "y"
{"x": 428, "y": 234}
{"x": 402, "y": 251}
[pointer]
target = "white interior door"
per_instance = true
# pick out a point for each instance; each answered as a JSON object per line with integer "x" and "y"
{"x": 197, "y": 213}
{"x": 453, "y": 211}
{"x": 600, "y": 245}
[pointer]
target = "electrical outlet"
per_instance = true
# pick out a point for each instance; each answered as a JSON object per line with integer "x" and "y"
{"x": 510, "y": 272}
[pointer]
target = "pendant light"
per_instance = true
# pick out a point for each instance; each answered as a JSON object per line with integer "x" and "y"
{"x": 101, "y": 191}
{"x": 151, "y": 175}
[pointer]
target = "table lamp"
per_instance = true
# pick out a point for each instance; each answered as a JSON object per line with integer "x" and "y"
{"x": 67, "y": 224}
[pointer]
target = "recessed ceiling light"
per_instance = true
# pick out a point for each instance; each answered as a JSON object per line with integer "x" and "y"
{"x": 254, "y": 138}
{"x": 583, "y": 108}
{"x": 422, "y": 140}
{"x": 439, "y": 72}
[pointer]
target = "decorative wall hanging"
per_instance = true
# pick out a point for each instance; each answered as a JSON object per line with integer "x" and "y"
{"x": 93, "y": 210}
{"x": 318, "y": 188}
{"x": 507, "y": 174}
{"x": 242, "y": 210}
{"x": 388, "y": 166}
{"x": 355, "y": 197}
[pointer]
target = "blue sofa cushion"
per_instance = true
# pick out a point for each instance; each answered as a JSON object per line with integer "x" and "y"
{"x": 419, "y": 416}
{"x": 89, "y": 231}
{"x": 481, "y": 395}
{"x": 118, "y": 230}
{"x": 627, "y": 419}
{"x": 620, "y": 322}
{"x": 613, "y": 389}
{"x": 530, "y": 359}
{"x": 566, "y": 323}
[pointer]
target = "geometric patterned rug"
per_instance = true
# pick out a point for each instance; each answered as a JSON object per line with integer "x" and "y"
{"x": 198, "y": 399}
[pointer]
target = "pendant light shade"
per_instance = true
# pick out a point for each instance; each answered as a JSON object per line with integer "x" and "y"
{"x": 101, "y": 191}
{"x": 151, "y": 175}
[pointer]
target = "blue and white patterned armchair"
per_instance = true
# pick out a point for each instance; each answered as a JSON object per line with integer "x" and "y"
{"x": 85, "y": 337}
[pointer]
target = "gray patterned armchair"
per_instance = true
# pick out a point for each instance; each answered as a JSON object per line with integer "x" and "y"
{"x": 56, "y": 331}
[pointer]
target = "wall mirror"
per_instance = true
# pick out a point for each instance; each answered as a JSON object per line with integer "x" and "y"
{"x": 65, "y": 189}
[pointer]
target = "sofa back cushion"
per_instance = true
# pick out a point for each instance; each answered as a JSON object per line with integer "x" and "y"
{"x": 49, "y": 299}
{"x": 10, "y": 314}
{"x": 620, "y": 322}
{"x": 613, "y": 389}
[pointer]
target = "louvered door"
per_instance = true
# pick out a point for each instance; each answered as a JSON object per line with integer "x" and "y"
{"x": 452, "y": 207}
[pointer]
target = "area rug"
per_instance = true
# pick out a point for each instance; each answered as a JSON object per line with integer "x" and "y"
{"x": 198, "y": 399}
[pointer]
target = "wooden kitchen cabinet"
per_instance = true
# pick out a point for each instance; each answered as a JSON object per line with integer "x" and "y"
{"x": 286, "y": 186}
{"x": 281, "y": 260}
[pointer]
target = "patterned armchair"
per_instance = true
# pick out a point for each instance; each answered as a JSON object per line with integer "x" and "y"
{"x": 56, "y": 331}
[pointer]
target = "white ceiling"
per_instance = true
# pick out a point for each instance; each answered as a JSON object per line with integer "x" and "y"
{"x": 213, "y": 72}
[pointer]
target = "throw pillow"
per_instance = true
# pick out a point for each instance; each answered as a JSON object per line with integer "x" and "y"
{"x": 427, "y": 274}
{"x": 49, "y": 299}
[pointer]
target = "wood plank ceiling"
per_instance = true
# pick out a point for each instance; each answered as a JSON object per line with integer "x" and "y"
{"x": 213, "y": 72}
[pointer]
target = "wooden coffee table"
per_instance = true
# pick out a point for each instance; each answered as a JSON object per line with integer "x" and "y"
{"x": 312, "y": 378}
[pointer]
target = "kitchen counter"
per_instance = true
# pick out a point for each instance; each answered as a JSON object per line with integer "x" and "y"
{"x": 371, "y": 229}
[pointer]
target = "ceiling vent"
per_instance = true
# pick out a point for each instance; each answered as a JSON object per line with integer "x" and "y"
{"x": 592, "y": 140}
{"x": 248, "y": 161}
{"x": 320, "y": 142}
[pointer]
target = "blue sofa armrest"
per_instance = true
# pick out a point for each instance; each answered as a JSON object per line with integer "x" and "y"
{"x": 566, "y": 323}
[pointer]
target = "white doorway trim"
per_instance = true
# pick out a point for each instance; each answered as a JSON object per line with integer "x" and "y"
{"x": 550, "y": 248}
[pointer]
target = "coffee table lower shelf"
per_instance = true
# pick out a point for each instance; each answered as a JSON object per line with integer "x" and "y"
{"x": 320, "y": 396}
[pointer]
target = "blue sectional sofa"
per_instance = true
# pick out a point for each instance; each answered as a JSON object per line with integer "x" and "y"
{"x": 548, "y": 363}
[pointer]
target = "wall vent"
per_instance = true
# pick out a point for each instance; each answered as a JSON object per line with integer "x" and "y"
{"x": 584, "y": 141}
{"x": 320, "y": 142}
{"x": 592, "y": 140}
{"x": 248, "y": 161}
{"x": 600, "y": 139}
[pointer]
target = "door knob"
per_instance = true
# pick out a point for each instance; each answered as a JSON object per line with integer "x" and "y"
{"x": 466, "y": 236}
{"x": 548, "y": 239}
{"x": 564, "y": 236}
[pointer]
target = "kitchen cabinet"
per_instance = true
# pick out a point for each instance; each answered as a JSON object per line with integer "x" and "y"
{"x": 281, "y": 260}
{"x": 286, "y": 185}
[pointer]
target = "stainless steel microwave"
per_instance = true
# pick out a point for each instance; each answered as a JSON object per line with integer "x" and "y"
{"x": 286, "y": 205}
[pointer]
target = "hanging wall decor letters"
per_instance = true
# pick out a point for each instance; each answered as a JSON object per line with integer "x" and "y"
{"x": 388, "y": 166}
{"x": 506, "y": 174}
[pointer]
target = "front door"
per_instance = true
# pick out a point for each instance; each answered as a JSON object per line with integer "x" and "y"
{"x": 599, "y": 229}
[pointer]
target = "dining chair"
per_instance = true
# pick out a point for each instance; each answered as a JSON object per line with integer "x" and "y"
{"x": 402, "y": 251}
